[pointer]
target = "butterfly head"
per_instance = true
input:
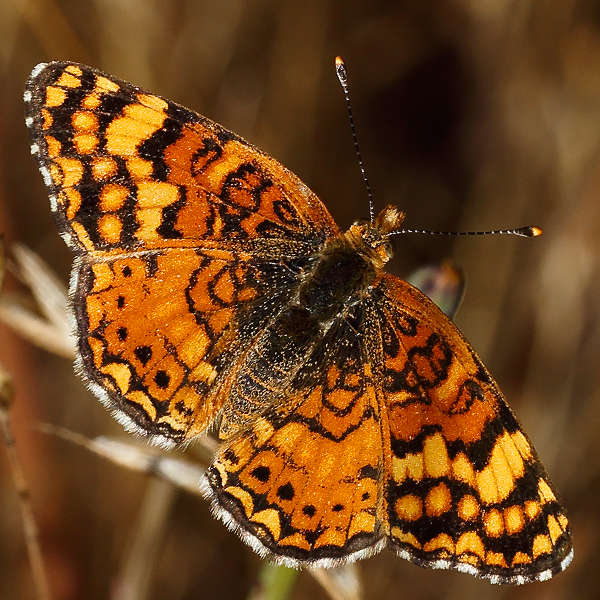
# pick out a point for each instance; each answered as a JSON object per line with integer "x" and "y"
{"x": 375, "y": 235}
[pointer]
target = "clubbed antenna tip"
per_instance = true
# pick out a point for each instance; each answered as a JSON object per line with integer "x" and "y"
{"x": 531, "y": 231}
{"x": 340, "y": 69}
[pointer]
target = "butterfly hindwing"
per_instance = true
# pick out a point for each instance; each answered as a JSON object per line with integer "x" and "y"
{"x": 158, "y": 351}
{"x": 304, "y": 483}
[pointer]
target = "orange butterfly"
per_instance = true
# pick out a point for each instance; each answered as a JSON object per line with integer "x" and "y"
{"x": 211, "y": 287}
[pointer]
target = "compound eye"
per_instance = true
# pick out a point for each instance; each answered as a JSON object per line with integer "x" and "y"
{"x": 389, "y": 247}
{"x": 361, "y": 223}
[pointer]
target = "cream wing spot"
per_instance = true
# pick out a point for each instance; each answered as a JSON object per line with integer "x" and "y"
{"x": 106, "y": 85}
{"x": 438, "y": 500}
{"x": 468, "y": 508}
{"x": 502, "y": 471}
{"x": 514, "y": 520}
{"x": 493, "y": 523}
{"x": 74, "y": 70}
{"x": 409, "y": 508}
{"x": 55, "y": 96}
{"x": 435, "y": 456}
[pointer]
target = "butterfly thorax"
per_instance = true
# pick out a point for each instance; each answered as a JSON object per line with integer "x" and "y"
{"x": 339, "y": 274}
{"x": 347, "y": 266}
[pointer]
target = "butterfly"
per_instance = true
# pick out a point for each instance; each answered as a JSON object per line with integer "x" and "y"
{"x": 212, "y": 289}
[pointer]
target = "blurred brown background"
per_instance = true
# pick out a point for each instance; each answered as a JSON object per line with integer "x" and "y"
{"x": 471, "y": 114}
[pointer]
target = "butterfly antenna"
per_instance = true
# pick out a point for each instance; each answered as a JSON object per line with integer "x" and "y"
{"x": 342, "y": 75}
{"x": 531, "y": 231}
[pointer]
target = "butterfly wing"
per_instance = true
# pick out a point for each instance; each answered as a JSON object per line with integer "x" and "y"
{"x": 188, "y": 240}
{"x": 466, "y": 489}
{"x": 129, "y": 170}
{"x": 304, "y": 483}
{"x": 179, "y": 227}
{"x": 158, "y": 334}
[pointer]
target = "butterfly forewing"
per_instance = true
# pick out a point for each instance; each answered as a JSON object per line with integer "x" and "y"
{"x": 128, "y": 169}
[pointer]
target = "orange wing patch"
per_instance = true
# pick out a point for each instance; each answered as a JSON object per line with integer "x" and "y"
{"x": 212, "y": 288}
